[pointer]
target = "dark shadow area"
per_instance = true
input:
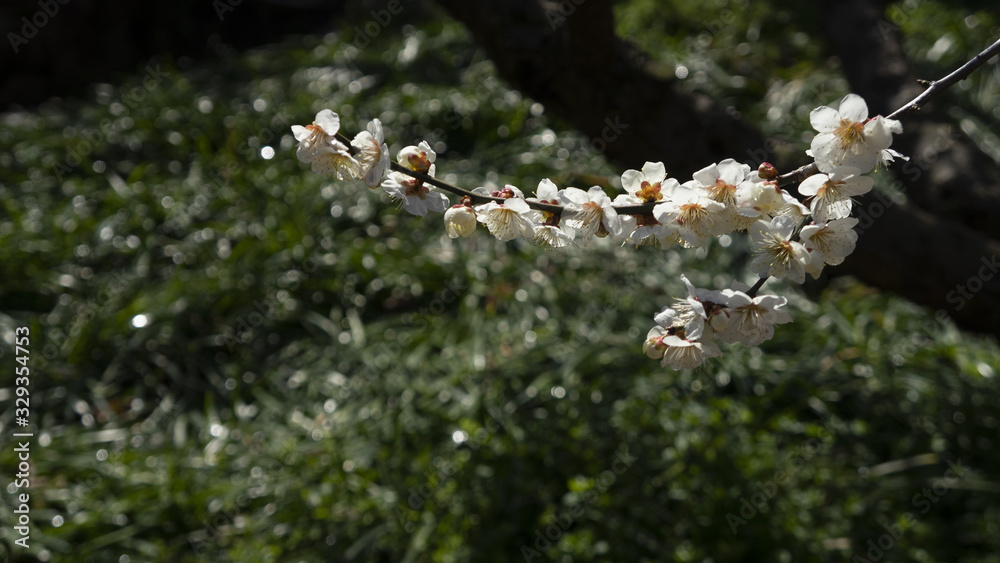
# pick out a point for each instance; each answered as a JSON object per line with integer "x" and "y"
{"x": 59, "y": 47}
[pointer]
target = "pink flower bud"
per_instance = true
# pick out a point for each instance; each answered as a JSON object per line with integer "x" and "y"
{"x": 767, "y": 171}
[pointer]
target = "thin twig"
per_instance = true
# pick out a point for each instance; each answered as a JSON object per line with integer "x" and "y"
{"x": 938, "y": 86}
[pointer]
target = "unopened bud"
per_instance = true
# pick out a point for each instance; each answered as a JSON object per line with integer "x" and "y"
{"x": 459, "y": 221}
{"x": 654, "y": 347}
{"x": 767, "y": 171}
{"x": 415, "y": 159}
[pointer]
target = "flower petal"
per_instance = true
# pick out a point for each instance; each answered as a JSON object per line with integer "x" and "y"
{"x": 654, "y": 171}
{"x": 329, "y": 121}
{"x": 824, "y": 119}
{"x": 632, "y": 180}
{"x": 853, "y": 108}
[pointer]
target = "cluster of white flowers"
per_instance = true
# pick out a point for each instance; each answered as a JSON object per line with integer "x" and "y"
{"x": 789, "y": 239}
{"x": 684, "y": 335}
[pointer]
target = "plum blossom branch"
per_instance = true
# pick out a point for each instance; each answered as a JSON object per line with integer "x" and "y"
{"x": 461, "y": 192}
{"x": 791, "y": 236}
{"x": 785, "y": 179}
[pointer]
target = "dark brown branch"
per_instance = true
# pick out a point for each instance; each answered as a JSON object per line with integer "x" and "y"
{"x": 752, "y": 292}
{"x": 938, "y": 86}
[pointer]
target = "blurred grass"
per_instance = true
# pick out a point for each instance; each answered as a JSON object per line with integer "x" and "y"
{"x": 237, "y": 360}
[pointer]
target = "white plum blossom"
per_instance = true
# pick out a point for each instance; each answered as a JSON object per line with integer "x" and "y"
{"x": 645, "y": 229}
{"x": 666, "y": 317}
{"x": 721, "y": 181}
{"x": 547, "y": 191}
{"x": 815, "y": 265}
{"x": 663, "y": 343}
{"x": 547, "y": 230}
{"x": 888, "y": 156}
{"x": 702, "y": 308}
{"x": 752, "y": 319}
{"x": 418, "y": 158}
{"x": 685, "y": 333}
{"x": 834, "y": 241}
{"x": 775, "y": 254}
{"x": 318, "y": 145}
{"x": 691, "y": 212}
{"x": 758, "y": 201}
{"x": 373, "y": 153}
{"x": 509, "y": 219}
{"x": 847, "y": 137}
{"x": 682, "y": 353}
{"x": 831, "y": 193}
{"x": 691, "y": 312}
{"x": 792, "y": 208}
{"x": 648, "y": 184}
{"x": 586, "y": 213}
{"x": 654, "y": 346}
{"x": 459, "y": 221}
{"x": 551, "y": 236}
{"x": 720, "y": 198}
{"x": 683, "y": 337}
{"x": 418, "y": 198}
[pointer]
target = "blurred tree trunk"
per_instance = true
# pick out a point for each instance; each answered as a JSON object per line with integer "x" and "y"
{"x": 572, "y": 62}
{"x": 567, "y": 57}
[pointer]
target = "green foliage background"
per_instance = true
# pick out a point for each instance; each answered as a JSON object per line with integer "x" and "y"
{"x": 322, "y": 377}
